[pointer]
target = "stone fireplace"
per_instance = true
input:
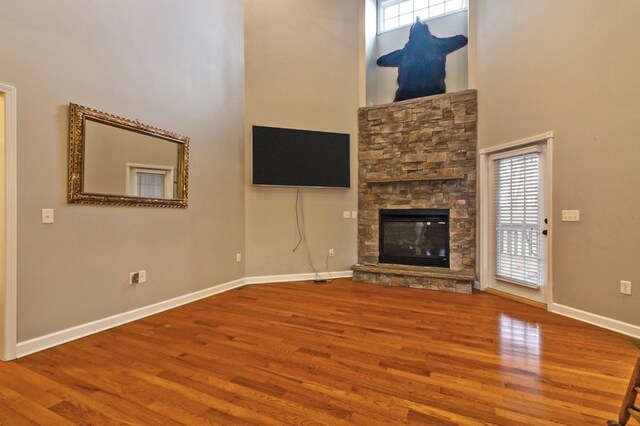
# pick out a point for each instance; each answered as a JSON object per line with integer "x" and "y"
{"x": 417, "y": 171}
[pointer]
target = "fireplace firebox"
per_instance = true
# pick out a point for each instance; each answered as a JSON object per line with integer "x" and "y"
{"x": 414, "y": 237}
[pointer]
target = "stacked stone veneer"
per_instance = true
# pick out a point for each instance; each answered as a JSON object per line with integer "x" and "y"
{"x": 419, "y": 153}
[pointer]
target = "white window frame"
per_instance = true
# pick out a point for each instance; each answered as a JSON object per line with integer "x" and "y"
{"x": 484, "y": 185}
{"x": 8, "y": 291}
{"x": 132, "y": 177}
{"x": 382, "y": 4}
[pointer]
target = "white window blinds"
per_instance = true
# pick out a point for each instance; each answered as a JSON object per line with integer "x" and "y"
{"x": 519, "y": 256}
{"x": 150, "y": 185}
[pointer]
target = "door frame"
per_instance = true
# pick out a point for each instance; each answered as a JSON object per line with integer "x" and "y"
{"x": 9, "y": 334}
{"x": 484, "y": 216}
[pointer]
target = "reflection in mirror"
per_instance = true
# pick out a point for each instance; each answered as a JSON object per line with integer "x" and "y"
{"x": 123, "y": 162}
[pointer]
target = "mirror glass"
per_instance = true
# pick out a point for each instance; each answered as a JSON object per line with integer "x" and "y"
{"x": 123, "y": 162}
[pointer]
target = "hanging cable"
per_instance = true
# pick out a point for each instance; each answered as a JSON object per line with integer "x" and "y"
{"x": 298, "y": 221}
{"x": 302, "y": 236}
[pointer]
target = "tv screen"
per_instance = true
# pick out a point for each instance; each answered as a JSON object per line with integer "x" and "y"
{"x": 290, "y": 157}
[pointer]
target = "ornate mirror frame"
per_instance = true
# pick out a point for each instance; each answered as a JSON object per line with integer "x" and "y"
{"x": 77, "y": 142}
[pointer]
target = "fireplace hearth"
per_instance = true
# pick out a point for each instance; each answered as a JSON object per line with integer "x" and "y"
{"x": 414, "y": 237}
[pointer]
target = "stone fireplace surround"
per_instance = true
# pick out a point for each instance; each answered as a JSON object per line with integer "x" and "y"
{"x": 419, "y": 154}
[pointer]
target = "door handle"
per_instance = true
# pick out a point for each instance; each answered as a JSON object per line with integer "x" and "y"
{"x": 545, "y": 232}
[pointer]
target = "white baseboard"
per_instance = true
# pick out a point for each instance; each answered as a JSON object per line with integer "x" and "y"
{"x": 297, "y": 277}
{"x": 63, "y": 336}
{"x": 57, "y": 338}
{"x": 598, "y": 320}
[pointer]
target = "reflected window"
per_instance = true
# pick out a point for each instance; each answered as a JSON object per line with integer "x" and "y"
{"x": 150, "y": 181}
{"x": 519, "y": 339}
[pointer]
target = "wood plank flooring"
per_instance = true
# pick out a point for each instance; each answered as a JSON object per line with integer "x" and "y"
{"x": 332, "y": 354}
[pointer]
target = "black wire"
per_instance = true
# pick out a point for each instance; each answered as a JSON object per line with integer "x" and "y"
{"x": 298, "y": 222}
{"x": 302, "y": 238}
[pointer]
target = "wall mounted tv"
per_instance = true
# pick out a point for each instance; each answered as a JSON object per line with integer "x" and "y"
{"x": 287, "y": 157}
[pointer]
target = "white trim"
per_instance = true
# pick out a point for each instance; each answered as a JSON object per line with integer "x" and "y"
{"x": 548, "y": 187}
{"x": 597, "y": 320}
{"x": 63, "y": 336}
{"x": 379, "y": 18}
{"x": 483, "y": 231}
{"x": 484, "y": 183}
{"x": 57, "y": 338}
{"x": 516, "y": 144}
{"x": 515, "y": 152}
{"x": 516, "y": 282}
{"x": 296, "y": 277}
{"x": 10, "y": 286}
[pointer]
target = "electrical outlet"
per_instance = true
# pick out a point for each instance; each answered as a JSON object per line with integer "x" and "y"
{"x": 238, "y": 257}
{"x": 331, "y": 253}
{"x": 142, "y": 276}
{"x": 354, "y": 214}
{"x": 134, "y": 278}
{"x": 625, "y": 287}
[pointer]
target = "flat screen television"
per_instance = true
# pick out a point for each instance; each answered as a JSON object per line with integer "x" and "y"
{"x": 288, "y": 157}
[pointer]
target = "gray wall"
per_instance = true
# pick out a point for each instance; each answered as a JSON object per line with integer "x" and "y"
{"x": 176, "y": 65}
{"x": 571, "y": 66}
{"x": 2, "y": 228}
{"x": 302, "y": 73}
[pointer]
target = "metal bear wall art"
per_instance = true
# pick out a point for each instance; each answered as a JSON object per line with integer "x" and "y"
{"x": 421, "y": 62}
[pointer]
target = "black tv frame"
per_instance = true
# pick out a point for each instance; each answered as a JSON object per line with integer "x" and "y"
{"x": 321, "y": 168}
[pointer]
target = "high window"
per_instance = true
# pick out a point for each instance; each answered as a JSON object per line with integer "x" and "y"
{"x": 399, "y": 13}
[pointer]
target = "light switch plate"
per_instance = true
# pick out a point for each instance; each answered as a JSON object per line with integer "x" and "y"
{"x": 354, "y": 214}
{"x": 346, "y": 214}
{"x": 571, "y": 215}
{"x": 625, "y": 287}
{"x": 47, "y": 215}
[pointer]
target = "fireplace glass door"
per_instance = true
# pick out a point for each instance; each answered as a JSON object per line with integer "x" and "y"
{"x": 414, "y": 237}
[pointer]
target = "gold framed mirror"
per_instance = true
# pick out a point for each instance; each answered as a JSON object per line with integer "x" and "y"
{"x": 120, "y": 162}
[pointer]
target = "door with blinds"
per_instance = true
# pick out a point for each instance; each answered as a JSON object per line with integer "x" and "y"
{"x": 518, "y": 231}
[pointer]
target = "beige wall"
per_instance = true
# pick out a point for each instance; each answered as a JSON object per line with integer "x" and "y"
{"x": 301, "y": 72}
{"x": 572, "y": 67}
{"x": 2, "y": 220}
{"x": 383, "y": 80}
{"x": 369, "y": 39}
{"x": 176, "y": 65}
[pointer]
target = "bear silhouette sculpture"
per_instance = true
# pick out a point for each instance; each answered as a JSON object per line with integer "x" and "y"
{"x": 421, "y": 62}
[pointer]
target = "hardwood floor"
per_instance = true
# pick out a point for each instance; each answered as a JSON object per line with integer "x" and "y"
{"x": 338, "y": 353}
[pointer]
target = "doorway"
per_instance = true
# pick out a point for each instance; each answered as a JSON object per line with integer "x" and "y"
{"x": 515, "y": 248}
{"x": 8, "y": 299}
